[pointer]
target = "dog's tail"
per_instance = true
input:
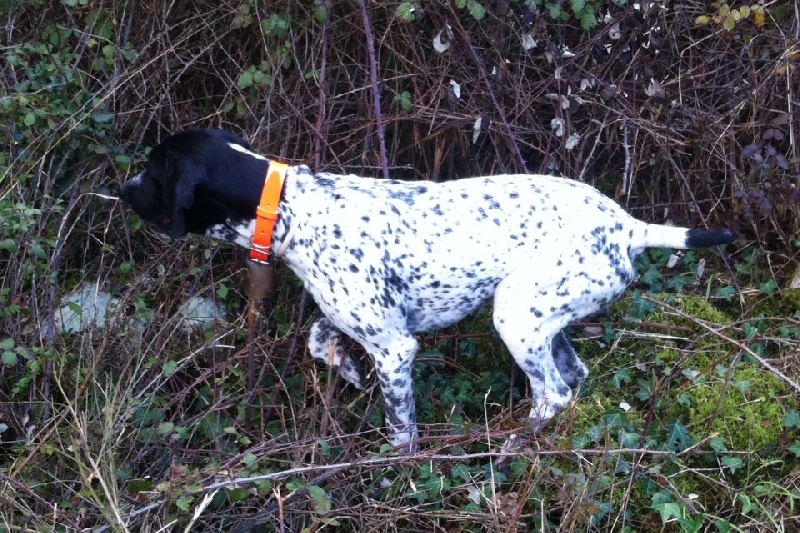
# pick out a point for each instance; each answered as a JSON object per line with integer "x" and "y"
{"x": 658, "y": 236}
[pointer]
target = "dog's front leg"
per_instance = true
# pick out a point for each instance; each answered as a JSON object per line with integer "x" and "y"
{"x": 324, "y": 343}
{"x": 393, "y": 364}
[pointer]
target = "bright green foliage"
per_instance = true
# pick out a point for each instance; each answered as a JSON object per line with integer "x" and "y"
{"x": 475, "y": 8}
{"x": 405, "y": 11}
{"x": 403, "y": 100}
{"x": 255, "y": 76}
{"x": 586, "y": 12}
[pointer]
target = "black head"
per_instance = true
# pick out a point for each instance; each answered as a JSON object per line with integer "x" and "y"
{"x": 196, "y": 179}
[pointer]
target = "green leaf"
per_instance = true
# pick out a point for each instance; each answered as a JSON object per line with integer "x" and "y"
{"x": 690, "y": 525}
{"x": 729, "y": 23}
{"x": 613, "y": 420}
{"x": 629, "y": 439}
{"x": 581, "y": 441}
{"x": 578, "y": 5}
{"x": 184, "y": 502}
{"x": 324, "y": 447}
{"x": 245, "y": 79}
{"x": 102, "y": 118}
{"x": 795, "y": 448}
{"x": 275, "y": 26}
{"x": 744, "y": 499}
{"x": 667, "y": 510}
{"x": 249, "y": 458}
{"x": 405, "y": 11}
{"x": 718, "y": 445}
{"x": 403, "y": 100}
{"x": 792, "y": 419}
{"x": 321, "y": 503}
{"x": 29, "y": 119}
{"x": 732, "y": 463}
{"x": 461, "y": 471}
{"x": 222, "y": 291}
{"x": 723, "y": 526}
{"x": 725, "y": 292}
{"x": 169, "y": 368}
{"x": 678, "y": 438}
{"x": 238, "y": 494}
{"x": 476, "y": 10}
{"x": 8, "y": 245}
{"x": 588, "y": 20}
{"x": 9, "y": 359}
{"x": 768, "y": 287}
{"x": 620, "y": 377}
{"x": 320, "y": 12}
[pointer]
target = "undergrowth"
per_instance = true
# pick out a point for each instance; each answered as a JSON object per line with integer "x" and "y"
{"x": 134, "y": 413}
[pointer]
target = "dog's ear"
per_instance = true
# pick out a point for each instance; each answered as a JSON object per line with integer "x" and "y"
{"x": 183, "y": 173}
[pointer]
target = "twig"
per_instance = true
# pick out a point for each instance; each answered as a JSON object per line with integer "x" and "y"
{"x": 626, "y": 181}
{"x": 322, "y": 97}
{"x": 372, "y": 462}
{"x": 52, "y": 276}
{"x": 376, "y": 95}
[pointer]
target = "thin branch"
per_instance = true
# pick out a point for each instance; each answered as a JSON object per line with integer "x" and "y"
{"x": 376, "y": 95}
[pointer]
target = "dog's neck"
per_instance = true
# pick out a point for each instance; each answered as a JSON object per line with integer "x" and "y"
{"x": 298, "y": 180}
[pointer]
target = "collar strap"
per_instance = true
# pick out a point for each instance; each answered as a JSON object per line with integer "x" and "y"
{"x": 267, "y": 212}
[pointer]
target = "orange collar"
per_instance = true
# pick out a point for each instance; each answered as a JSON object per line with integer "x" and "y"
{"x": 267, "y": 212}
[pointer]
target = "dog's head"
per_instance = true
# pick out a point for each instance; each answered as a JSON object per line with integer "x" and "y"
{"x": 196, "y": 179}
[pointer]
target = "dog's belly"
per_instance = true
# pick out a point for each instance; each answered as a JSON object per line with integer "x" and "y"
{"x": 429, "y": 307}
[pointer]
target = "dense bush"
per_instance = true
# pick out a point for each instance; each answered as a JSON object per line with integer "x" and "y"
{"x": 681, "y": 111}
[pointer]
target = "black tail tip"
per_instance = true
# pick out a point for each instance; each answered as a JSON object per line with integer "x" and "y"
{"x": 703, "y": 238}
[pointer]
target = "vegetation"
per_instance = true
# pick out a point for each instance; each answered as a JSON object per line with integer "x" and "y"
{"x": 681, "y": 111}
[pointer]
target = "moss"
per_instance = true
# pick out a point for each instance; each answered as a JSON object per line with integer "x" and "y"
{"x": 749, "y": 415}
{"x": 701, "y": 308}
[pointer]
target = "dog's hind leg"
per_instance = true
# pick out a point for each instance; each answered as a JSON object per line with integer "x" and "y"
{"x": 573, "y": 371}
{"x": 528, "y": 318}
{"x": 324, "y": 343}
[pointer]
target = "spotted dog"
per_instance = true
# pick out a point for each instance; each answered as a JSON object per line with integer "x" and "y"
{"x": 386, "y": 259}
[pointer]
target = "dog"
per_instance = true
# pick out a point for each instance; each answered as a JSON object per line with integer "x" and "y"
{"x": 387, "y": 259}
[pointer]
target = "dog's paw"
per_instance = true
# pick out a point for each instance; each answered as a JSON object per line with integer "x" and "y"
{"x": 352, "y": 372}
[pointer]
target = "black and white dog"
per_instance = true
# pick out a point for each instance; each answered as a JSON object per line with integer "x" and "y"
{"x": 387, "y": 259}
